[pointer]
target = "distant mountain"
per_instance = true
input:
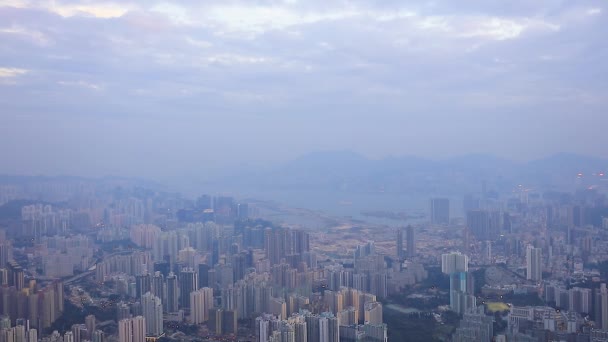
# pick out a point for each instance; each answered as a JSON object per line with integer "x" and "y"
{"x": 349, "y": 171}
{"x": 19, "y": 179}
{"x": 570, "y": 163}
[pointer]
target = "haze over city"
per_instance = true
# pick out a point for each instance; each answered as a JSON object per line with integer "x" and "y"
{"x": 303, "y": 171}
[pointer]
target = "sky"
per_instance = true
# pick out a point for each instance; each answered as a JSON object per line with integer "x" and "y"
{"x": 166, "y": 89}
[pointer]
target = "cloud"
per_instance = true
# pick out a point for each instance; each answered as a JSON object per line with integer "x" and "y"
{"x": 81, "y": 84}
{"x": 335, "y": 70}
{"x": 502, "y": 29}
{"x": 35, "y": 36}
{"x": 11, "y": 72}
{"x": 98, "y": 11}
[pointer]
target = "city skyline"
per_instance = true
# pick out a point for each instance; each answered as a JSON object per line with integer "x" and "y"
{"x": 303, "y": 171}
{"x": 143, "y": 263}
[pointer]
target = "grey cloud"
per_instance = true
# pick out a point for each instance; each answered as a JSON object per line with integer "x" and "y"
{"x": 113, "y": 90}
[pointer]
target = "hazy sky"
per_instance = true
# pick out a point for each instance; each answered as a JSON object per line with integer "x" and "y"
{"x": 171, "y": 88}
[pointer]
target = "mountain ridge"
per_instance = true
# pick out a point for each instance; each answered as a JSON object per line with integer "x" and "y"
{"x": 350, "y": 171}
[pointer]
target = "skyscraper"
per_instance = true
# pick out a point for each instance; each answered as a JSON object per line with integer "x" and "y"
{"x": 411, "y": 241}
{"x": 89, "y": 321}
{"x": 32, "y": 335}
{"x": 603, "y": 307}
{"x": 282, "y": 242}
{"x": 132, "y": 330}
{"x": 461, "y": 292}
{"x": 373, "y": 313}
{"x": 242, "y": 211}
{"x": 400, "y": 243}
{"x": 98, "y": 336}
{"x": 203, "y": 275}
{"x": 454, "y": 262}
{"x": 143, "y": 284}
{"x": 153, "y": 312}
{"x": 162, "y": 267}
{"x": 122, "y": 311}
{"x": 483, "y": 224}
{"x": 15, "y": 275}
{"x": 200, "y": 303}
{"x": 534, "y": 269}
{"x": 215, "y": 252}
{"x": 6, "y": 253}
{"x": 487, "y": 252}
{"x": 158, "y": 286}
{"x": 475, "y": 326}
{"x": 440, "y": 211}
{"x": 188, "y": 282}
{"x": 222, "y": 321}
{"x": 456, "y": 265}
{"x": 125, "y": 330}
{"x": 172, "y": 293}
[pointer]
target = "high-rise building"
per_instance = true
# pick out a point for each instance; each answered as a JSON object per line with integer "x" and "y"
{"x": 203, "y": 275}
{"x": 487, "y": 252}
{"x": 158, "y": 286}
{"x": 534, "y": 269}
{"x": 3, "y": 277}
{"x": 125, "y": 330}
{"x": 454, "y": 262}
{"x": 411, "y": 241}
{"x": 323, "y": 327}
{"x": 456, "y": 265}
{"x": 153, "y": 312}
{"x": 222, "y": 322}
{"x": 163, "y": 267}
{"x": 172, "y": 293}
{"x": 240, "y": 263}
{"x": 332, "y": 334}
{"x": 440, "y": 211}
{"x": 400, "y": 243}
{"x": 484, "y": 224}
{"x": 132, "y": 330}
{"x": 242, "y": 211}
{"x": 122, "y": 311}
{"x": 145, "y": 235}
{"x": 282, "y": 242}
{"x": 15, "y": 275}
{"x": 462, "y": 292}
{"x": 143, "y": 283}
{"x": 32, "y": 335}
{"x": 475, "y": 326}
{"x": 466, "y": 240}
{"x": 49, "y": 305}
{"x": 200, "y": 303}
{"x": 98, "y": 336}
{"x": 188, "y": 282}
{"x": 373, "y": 313}
{"x": 139, "y": 329}
{"x": 79, "y": 332}
{"x": 19, "y": 333}
{"x": 6, "y": 253}
{"x": 215, "y": 252}
{"x": 603, "y": 307}
{"x": 375, "y": 332}
{"x": 89, "y": 322}
{"x": 349, "y": 316}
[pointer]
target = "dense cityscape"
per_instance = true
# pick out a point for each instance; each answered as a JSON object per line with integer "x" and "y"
{"x": 90, "y": 260}
{"x": 303, "y": 171}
